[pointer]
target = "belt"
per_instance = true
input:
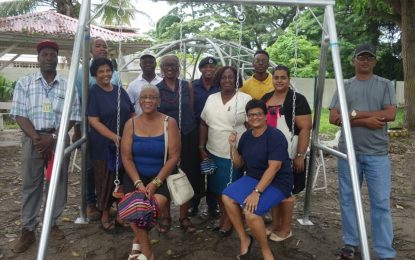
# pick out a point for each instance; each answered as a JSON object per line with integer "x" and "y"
{"x": 46, "y": 131}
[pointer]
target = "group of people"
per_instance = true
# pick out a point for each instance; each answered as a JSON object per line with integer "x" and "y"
{"x": 256, "y": 133}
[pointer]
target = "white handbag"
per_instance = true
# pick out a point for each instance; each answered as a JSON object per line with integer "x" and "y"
{"x": 181, "y": 190}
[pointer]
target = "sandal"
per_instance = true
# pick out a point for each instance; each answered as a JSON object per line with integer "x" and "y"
{"x": 248, "y": 254}
{"x": 165, "y": 225}
{"x": 108, "y": 227}
{"x": 187, "y": 225}
{"x": 347, "y": 252}
{"x": 135, "y": 251}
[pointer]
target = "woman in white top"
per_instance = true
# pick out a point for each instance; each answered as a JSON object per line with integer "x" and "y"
{"x": 224, "y": 112}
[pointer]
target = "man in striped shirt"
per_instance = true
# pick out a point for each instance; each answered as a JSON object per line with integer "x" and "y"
{"x": 37, "y": 106}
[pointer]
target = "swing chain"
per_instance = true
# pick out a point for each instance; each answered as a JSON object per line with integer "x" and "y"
{"x": 120, "y": 13}
{"x": 241, "y": 18}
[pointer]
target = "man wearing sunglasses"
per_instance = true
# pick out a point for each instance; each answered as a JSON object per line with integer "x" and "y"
{"x": 371, "y": 102}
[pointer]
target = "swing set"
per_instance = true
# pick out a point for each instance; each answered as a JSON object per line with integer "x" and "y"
{"x": 329, "y": 39}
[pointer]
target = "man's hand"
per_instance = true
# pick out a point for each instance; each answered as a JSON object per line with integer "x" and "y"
{"x": 44, "y": 145}
{"x": 375, "y": 122}
{"x": 298, "y": 164}
{"x": 77, "y": 133}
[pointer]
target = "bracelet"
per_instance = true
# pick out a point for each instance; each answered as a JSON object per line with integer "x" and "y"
{"x": 258, "y": 191}
{"x": 157, "y": 182}
{"x": 201, "y": 147}
{"x": 137, "y": 183}
{"x": 300, "y": 155}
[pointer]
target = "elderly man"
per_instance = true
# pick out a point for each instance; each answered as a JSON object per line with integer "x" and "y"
{"x": 149, "y": 76}
{"x": 98, "y": 49}
{"x": 38, "y": 101}
{"x": 371, "y": 102}
{"x": 261, "y": 82}
{"x": 202, "y": 89}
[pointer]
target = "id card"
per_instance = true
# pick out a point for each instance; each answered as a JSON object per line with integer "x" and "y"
{"x": 46, "y": 106}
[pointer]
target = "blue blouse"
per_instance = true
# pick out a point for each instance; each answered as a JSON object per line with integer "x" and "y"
{"x": 170, "y": 105}
{"x": 148, "y": 154}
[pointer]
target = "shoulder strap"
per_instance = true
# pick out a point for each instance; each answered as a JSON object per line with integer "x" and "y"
{"x": 166, "y": 137}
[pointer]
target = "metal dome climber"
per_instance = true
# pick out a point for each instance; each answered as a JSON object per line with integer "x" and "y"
{"x": 329, "y": 39}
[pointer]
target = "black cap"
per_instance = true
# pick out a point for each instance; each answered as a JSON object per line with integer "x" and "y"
{"x": 207, "y": 60}
{"x": 365, "y": 48}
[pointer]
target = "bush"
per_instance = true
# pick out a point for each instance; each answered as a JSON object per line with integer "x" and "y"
{"x": 6, "y": 89}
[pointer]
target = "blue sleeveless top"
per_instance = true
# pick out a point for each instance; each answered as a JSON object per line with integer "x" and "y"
{"x": 148, "y": 154}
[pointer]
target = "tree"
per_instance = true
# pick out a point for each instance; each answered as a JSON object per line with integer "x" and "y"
{"x": 18, "y": 7}
{"x": 401, "y": 13}
{"x": 113, "y": 14}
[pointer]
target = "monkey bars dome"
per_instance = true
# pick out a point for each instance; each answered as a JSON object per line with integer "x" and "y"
{"x": 222, "y": 49}
{"x": 227, "y": 53}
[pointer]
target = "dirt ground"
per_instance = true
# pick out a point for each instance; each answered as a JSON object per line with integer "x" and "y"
{"x": 320, "y": 241}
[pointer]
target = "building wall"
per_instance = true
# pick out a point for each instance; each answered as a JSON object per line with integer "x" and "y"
{"x": 304, "y": 86}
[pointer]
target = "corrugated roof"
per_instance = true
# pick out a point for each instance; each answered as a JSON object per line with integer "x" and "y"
{"x": 52, "y": 23}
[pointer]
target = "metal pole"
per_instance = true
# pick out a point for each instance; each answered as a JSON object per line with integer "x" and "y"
{"x": 271, "y": 2}
{"x": 83, "y": 218}
{"x": 347, "y": 131}
{"x": 318, "y": 100}
{"x": 63, "y": 129}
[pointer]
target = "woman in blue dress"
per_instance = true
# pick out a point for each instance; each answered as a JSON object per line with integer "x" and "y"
{"x": 262, "y": 150}
{"x": 143, "y": 150}
{"x": 102, "y": 116}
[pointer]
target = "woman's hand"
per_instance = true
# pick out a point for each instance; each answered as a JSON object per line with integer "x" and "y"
{"x": 251, "y": 202}
{"x": 203, "y": 154}
{"x": 298, "y": 164}
{"x": 116, "y": 139}
{"x": 150, "y": 189}
{"x": 232, "y": 138}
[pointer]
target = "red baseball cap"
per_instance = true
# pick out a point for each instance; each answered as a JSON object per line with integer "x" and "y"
{"x": 47, "y": 43}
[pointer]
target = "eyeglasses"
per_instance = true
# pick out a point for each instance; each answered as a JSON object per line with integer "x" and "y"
{"x": 170, "y": 65}
{"x": 256, "y": 114}
{"x": 152, "y": 98}
{"x": 366, "y": 58}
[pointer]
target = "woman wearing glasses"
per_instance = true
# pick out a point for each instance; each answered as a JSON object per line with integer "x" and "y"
{"x": 176, "y": 101}
{"x": 143, "y": 157}
{"x": 262, "y": 151}
{"x": 280, "y": 115}
{"x": 223, "y": 113}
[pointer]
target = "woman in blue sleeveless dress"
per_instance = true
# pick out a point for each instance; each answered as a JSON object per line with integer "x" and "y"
{"x": 142, "y": 148}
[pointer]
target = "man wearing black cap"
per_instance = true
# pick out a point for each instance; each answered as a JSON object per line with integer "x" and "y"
{"x": 202, "y": 89}
{"x": 149, "y": 76}
{"x": 371, "y": 102}
{"x": 37, "y": 106}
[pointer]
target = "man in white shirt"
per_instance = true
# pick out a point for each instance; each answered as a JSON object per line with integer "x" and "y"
{"x": 149, "y": 76}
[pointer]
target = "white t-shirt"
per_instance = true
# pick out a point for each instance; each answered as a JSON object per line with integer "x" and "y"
{"x": 220, "y": 119}
{"x": 134, "y": 89}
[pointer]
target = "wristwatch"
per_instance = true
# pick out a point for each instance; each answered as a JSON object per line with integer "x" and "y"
{"x": 353, "y": 114}
{"x": 258, "y": 191}
{"x": 300, "y": 155}
{"x": 54, "y": 136}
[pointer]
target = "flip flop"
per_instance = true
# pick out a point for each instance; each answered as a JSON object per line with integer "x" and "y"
{"x": 165, "y": 225}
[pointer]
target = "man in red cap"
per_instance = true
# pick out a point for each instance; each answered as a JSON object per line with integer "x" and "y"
{"x": 37, "y": 106}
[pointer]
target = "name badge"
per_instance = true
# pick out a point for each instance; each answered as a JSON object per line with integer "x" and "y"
{"x": 47, "y": 106}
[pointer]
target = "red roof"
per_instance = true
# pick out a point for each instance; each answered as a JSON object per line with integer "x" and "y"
{"x": 52, "y": 23}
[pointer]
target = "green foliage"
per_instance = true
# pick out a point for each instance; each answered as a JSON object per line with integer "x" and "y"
{"x": 6, "y": 89}
{"x": 113, "y": 14}
{"x": 283, "y": 52}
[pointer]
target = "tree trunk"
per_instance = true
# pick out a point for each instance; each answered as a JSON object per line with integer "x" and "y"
{"x": 408, "y": 57}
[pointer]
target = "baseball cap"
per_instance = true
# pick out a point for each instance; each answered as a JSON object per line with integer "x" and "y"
{"x": 47, "y": 43}
{"x": 365, "y": 48}
{"x": 207, "y": 60}
{"x": 147, "y": 52}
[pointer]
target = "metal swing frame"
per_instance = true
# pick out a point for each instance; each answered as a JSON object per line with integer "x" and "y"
{"x": 329, "y": 39}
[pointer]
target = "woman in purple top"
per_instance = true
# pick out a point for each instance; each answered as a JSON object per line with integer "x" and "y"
{"x": 102, "y": 116}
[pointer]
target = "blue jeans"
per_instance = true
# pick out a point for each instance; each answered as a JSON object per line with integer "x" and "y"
{"x": 377, "y": 172}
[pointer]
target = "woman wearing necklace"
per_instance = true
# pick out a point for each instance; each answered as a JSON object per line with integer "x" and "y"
{"x": 179, "y": 105}
{"x": 218, "y": 120}
{"x": 102, "y": 116}
{"x": 279, "y": 115}
{"x": 262, "y": 151}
